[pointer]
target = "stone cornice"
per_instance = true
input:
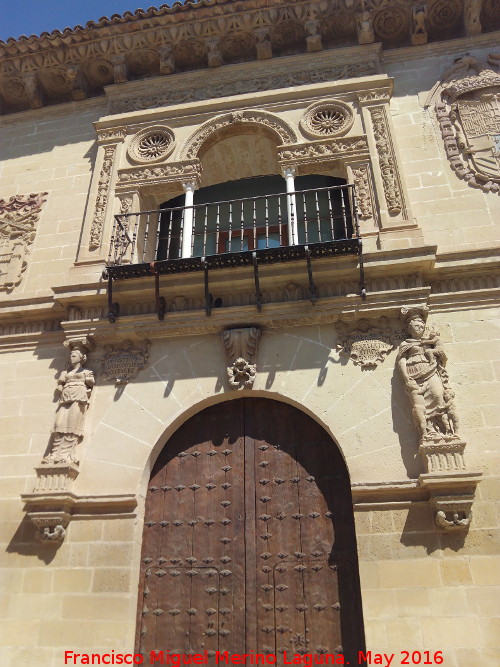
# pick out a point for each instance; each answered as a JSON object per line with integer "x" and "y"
{"x": 75, "y": 64}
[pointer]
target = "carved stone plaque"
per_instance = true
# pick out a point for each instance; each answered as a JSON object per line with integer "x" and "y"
{"x": 122, "y": 361}
{"x": 18, "y": 220}
{"x": 367, "y": 345}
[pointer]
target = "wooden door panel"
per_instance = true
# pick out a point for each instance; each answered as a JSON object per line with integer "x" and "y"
{"x": 240, "y": 551}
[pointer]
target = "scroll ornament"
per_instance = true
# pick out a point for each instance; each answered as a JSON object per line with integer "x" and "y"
{"x": 241, "y": 349}
{"x": 75, "y": 386}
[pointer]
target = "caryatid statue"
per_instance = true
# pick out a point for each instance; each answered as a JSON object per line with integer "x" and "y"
{"x": 75, "y": 386}
{"x": 421, "y": 361}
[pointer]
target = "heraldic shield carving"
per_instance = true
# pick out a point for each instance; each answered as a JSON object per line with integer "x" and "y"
{"x": 469, "y": 116}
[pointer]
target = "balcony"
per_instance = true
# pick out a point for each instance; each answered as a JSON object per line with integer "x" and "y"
{"x": 250, "y": 231}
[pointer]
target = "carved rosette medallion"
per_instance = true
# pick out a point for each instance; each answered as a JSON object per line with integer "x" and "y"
{"x": 152, "y": 144}
{"x": 103, "y": 188}
{"x": 18, "y": 221}
{"x": 387, "y": 161}
{"x": 469, "y": 116}
{"x": 366, "y": 346}
{"x": 241, "y": 350}
{"x": 330, "y": 118}
{"x": 123, "y": 361}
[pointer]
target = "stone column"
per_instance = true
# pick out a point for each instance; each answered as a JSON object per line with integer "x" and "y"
{"x": 187, "y": 226}
{"x": 293, "y": 232}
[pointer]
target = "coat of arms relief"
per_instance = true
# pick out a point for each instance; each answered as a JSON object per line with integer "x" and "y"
{"x": 468, "y": 111}
{"x": 18, "y": 221}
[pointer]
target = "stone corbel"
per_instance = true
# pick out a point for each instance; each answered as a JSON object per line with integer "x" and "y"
{"x": 263, "y": 46}
{"x": 77, "y": 82}
{"x": 241, "y": 350}
{"x": 451, "y": 497}
{"x": 419, "y": 24}
{"x": 51, "y": 525}
{"x": 33, "y": 90}
{"x": 52, "y": 511}
{"x": 120, "y": 69}
{"x": 214, "y": 54}
{"x": 167, "y": 63}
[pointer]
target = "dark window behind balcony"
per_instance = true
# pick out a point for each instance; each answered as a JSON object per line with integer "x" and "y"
{"x": 255, "y": 213}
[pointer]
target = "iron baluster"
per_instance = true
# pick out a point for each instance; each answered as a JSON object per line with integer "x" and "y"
{"x": 312, "y": 286}
{"x": 331, "y": 214}
{"x": 217, "y": 228}
{"x": 306, "y": 228}
{"x": 318, "y": 216}
{"x": 258, "y": 293}
{"x": 230, "y": 226}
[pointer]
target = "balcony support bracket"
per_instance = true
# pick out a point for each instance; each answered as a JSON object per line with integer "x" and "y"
{"x": 208, "y": 296}
{"x": 113, "y": 307}
{"x": 160, "y": 303}
{"x": 362, "y": 280}
{"x": 258, "y": 293}
{"x": 312, "y": 286}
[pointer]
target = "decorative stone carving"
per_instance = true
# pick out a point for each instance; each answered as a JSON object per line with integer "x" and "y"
{"x": 279, "y": 128}
{"x": 468, "y": 114}
{"x": 75, "y": 387}
{"x": 362, "y": 181}
{"x": 421, "y": 362}
{"x": 419, "y": 25}
{"x": 365, "y": 27}
{"x": 457, "y": 520}
{"x": 315, "y": 151}
{"x": 259, "y": 81}
{"x": 390, "y": 23}
{"x": 103, "y": 188}
{"x": 366, "y": 345}
{"x": 112, "y": 134}
{"x": 122, "y": 361}
{"x": 152, "y": 144}
{"x": 329, "y": 118}
{"x": 51, "y": 525}
{"x": 241, "y": 350}
{"x": 387, "y": 161}
{"x": 472, "y": 17}
{"x": 444, "y": 14}
{"x": 168, "y": 173}
{"x": 18, "y": 220}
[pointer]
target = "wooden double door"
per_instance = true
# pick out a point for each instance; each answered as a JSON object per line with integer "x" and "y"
{"x": 249, "y": 540}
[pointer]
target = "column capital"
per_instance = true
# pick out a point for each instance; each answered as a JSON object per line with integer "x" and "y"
{"x": 189, "y": 186}
{"x": 289, "y": 172}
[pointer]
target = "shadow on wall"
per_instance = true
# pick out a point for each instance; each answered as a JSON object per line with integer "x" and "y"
{"x": 25, "y": 542}
{"x": 403, "y": 426}
{"x": 421, "y": 530}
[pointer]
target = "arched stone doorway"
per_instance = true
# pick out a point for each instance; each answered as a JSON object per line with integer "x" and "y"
{"x": 249, "y": 540}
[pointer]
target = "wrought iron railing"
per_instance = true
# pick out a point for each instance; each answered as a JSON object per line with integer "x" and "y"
{"x": 249, "y": 231}
{"x": 255, "y": 223}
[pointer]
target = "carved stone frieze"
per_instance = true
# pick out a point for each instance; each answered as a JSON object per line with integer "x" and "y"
{"x": 167, "y": 173}
{"x": 387, "y": 160}
{"x": 103, "y": 189}
{"x": 328, "y": 118}
{"x": 444, "y": 14}
{"x": 316, "y": 151}
{"x": 421, "y": 362}
{"x": 122, "y": 361}
{"x": 467, "y": 110}
{"x": 241, "y": 351}
{"x": 419, "y": 24}
{"x": 112, "y": 134}
{"x": 366, "y": 345}
{"x": 19, "y": 217}
{"x": 281, "y": 131}
{"x": 230, "y": 84}
{"x": 75, "y": 387}
{"x": 382, "y": 94}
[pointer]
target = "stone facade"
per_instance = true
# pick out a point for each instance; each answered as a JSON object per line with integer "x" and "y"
{"x": 414, "y": 410}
